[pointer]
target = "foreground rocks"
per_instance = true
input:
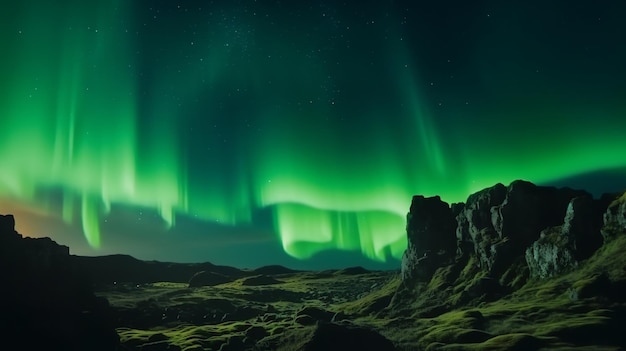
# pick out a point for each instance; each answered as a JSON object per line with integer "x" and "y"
{"x": 46, "y": 303}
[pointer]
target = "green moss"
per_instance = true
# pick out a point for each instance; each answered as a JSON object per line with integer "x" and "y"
{"x": 446, "y": 313}
{"x": 512, "y": 342}
{"x": 453, "y": 335}
{"x": 375, "y": 301}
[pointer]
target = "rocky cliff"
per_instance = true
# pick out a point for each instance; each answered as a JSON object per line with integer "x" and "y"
{"x": 46, "y": 303}
{"x": 501, "y": 238}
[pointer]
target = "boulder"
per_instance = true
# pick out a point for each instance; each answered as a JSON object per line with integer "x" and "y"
{"x": 7, "y": 225}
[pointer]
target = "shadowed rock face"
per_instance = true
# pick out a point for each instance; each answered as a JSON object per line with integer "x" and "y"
{"x": 431, "y": 241}
{"x": 615, "y": 218}
{"x": 46, "y": 304}
{"x": 560, "y": 248}
{"x": 526, "y": 210}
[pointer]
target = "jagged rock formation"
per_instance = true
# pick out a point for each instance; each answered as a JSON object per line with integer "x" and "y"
{"x": 560, "y": 248}
{"x": 430, "y": 229}
{"x": 46, "y": 303}
{"x": 543, "y": 231}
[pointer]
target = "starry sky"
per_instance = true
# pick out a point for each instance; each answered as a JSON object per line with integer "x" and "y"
{"x": 250, "y": 132}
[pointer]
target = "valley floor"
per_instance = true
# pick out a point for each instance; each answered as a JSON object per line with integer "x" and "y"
{"x": 580, "y": 311}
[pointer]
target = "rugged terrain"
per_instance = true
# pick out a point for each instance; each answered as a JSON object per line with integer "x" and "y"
{"x": 517, "y": 267}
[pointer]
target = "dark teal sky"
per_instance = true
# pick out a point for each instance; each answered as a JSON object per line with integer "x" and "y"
{"x": 268, "y": 132}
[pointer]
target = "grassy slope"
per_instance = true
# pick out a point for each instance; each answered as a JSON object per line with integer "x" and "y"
{"x": 581, "y": 310}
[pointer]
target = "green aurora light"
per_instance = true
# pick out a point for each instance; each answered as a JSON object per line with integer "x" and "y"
{"x": 106, "y": 104}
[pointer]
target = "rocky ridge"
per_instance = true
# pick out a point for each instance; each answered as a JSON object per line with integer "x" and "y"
{"x": 502, "y": 238}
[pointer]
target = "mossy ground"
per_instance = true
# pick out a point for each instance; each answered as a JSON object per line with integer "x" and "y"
{"x": 581, "y": 310}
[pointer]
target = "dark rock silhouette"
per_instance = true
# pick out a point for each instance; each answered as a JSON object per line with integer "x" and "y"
{"x": 614, "y": 218}
{"x": 47, "y": 304}
{"x": 430, "y": 233}
{"x": 127, "y": 269}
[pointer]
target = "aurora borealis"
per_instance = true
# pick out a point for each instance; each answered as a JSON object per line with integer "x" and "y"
{"x": 222, "y": 130}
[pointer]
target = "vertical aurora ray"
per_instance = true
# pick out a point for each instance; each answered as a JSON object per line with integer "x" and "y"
{"x": 72, "y": 120}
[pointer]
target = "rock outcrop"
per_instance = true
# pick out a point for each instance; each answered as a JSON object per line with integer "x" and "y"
{"x": 526, "y": 210}
{"x": 560, "y": 248}
{"x": 46, "y": 303}
{"x": 476, "y": 223}
{"x": 543, "y": 230}
{"x": 431, "y": 241}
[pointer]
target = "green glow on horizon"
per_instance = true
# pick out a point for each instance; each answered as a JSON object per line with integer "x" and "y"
{"x": 91, "y": 110}
{"x": 307, "y": 231}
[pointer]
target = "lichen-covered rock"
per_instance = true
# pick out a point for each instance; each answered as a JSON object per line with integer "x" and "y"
{"x": 551, "y": 254}
{"x": 559, "y": 249}
{"x": 431, "y": 239}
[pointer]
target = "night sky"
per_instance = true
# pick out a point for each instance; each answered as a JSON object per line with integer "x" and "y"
{"x": 250, "y": 133}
